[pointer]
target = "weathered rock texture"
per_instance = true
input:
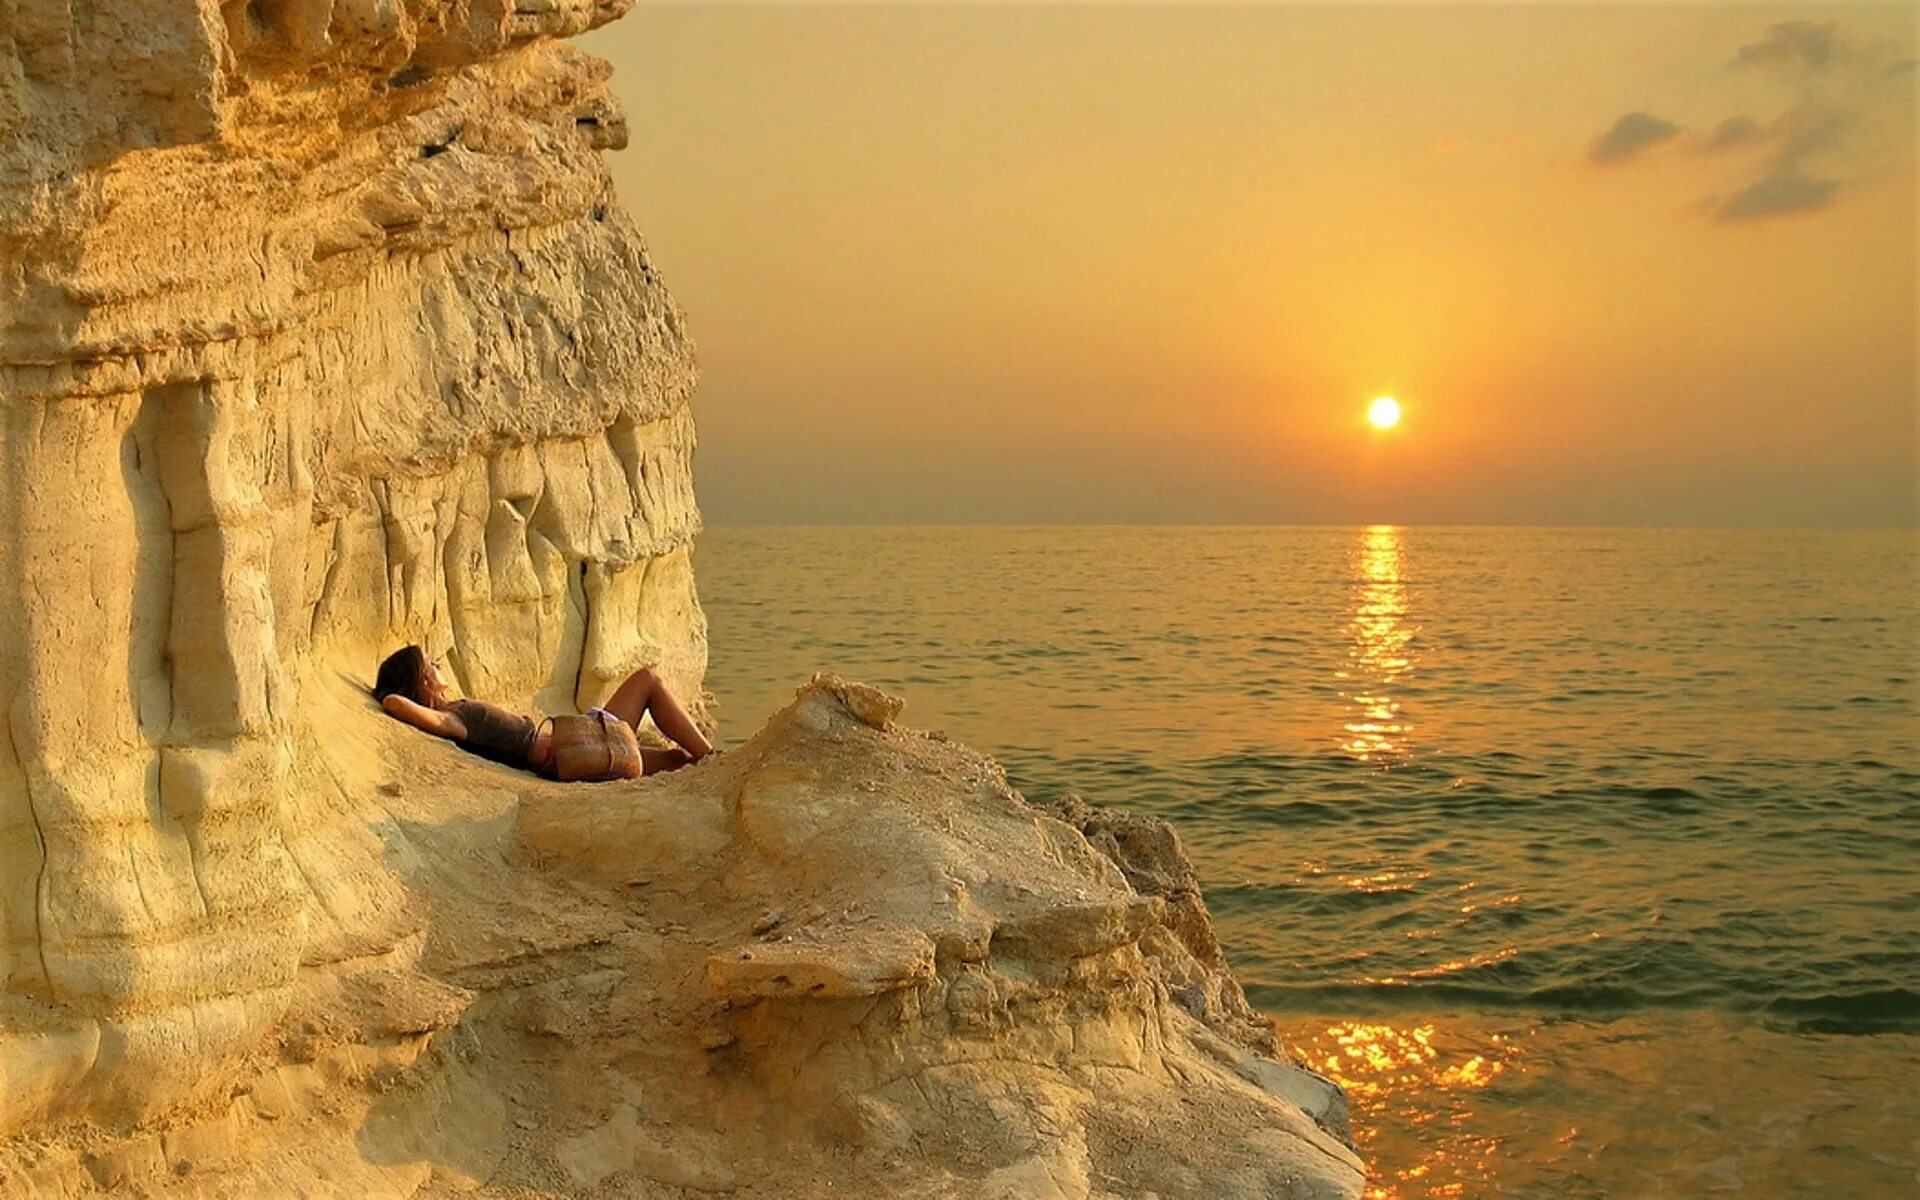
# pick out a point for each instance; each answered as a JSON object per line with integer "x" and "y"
{"x": 320, "y": 333}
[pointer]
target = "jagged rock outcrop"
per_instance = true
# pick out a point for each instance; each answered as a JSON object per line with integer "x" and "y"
{"x": 845, "y": 957}
{"x": 320, "y": 332}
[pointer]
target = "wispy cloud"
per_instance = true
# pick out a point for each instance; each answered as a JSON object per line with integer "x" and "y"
{"x": 1777, "y": 196}
{"x": 1631, "y": 136}
{"x": 1788, "y": 182}
{"x": 1793, "y": 45}
{"x": 1823, "y": 143}
{"x": 1733, "y": 133}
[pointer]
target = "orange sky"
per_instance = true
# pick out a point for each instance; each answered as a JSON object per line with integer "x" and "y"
{"x": 1128, "y": 263}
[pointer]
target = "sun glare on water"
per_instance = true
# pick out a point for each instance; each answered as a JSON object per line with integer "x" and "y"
{"x": 1384, "y": 413}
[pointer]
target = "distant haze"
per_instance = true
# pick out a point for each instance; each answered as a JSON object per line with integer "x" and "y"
{"x": 1632, "y": 265}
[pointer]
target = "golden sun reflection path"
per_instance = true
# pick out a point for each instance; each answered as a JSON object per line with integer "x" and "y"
{"x": 1411, "y": 1093}
{"x": 1382, "y": 650}
{"x": 1411, "y": 1085}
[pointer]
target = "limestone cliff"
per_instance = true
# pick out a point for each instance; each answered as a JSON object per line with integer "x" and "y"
{"x": 320, "y": 332}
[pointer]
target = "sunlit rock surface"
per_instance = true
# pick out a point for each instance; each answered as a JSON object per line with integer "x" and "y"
{"x": 320, "y": 332}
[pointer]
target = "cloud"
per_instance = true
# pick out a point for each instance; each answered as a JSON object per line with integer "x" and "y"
{"x": 1733, "y": 133}
{"x": 1788, "y": 184}
{"x": 1838, "y": 128}
{"x": 1776, "y": 196}
{"x": 1791, "y": 45}
{"x": 1629, "y": 137}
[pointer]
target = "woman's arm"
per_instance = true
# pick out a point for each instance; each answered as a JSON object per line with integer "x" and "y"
{"x": 440, "y": 724}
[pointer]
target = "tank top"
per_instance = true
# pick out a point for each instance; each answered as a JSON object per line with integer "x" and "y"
{"x": 493, "y": 732}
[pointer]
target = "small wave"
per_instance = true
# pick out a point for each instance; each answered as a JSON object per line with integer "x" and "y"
{"x": 1298, "y": 812}
{"x": 1317, "y": 903}
{"x": 1882, "y": 1010}
{"x": 1664, "y": 793}
{"x": 1865, "y": 1013}
{"x": 1588, "y": 997}
{"x": 1361, "y": 999}
{"x": 1429, "y": 994}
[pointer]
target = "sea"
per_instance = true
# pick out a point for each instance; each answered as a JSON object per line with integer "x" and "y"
{"x": 1587, "y": 860}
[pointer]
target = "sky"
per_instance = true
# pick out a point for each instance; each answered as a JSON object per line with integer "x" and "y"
{"x": 1624, "y": 265}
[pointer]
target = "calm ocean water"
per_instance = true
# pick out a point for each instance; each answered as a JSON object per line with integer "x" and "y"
{"x": 1588, "y": 859}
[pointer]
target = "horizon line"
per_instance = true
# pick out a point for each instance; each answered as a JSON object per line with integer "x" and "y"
{"x": 1910, "y": 527}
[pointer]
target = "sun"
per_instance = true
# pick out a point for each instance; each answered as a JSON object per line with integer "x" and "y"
{"x": 1384, "y": 413}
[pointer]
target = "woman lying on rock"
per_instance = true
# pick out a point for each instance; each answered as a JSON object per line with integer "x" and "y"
{"x": 596, "y": 746}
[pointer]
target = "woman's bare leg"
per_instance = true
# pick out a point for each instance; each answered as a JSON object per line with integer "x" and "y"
{"x": 644, "y": 693}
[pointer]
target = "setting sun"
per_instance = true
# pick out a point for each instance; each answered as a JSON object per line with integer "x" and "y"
{"x": 1384, "y": 413}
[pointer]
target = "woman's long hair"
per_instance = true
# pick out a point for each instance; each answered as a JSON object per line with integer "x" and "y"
{"x": 403, "y": 673}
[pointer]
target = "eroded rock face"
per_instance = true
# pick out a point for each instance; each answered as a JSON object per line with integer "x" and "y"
{"x": 320, "y": 333}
